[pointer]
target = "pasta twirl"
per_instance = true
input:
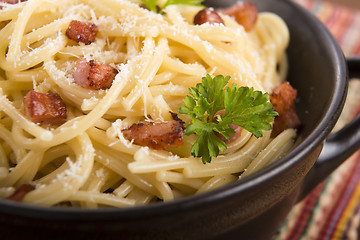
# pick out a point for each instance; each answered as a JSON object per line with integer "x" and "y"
{"x": 87, "y": 161}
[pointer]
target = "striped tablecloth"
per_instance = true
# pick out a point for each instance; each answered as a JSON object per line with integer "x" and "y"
{"x": 332, "y": 210}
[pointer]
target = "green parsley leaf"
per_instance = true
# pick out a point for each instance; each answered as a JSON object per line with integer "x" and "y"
{"x": 243, "y": 106}
{"x": 185, "y": 2}
{"x": 152, "y": 4}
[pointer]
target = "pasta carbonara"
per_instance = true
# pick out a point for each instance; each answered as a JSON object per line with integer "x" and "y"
{"x": 151, "y": 59}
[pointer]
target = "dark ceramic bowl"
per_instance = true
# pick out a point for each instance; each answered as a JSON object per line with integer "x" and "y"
{"x": 254, "y": 207}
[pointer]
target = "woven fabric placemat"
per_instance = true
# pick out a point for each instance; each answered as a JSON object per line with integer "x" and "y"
{"x": 332, "y": 210}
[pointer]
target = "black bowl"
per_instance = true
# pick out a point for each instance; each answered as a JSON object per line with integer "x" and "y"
{"x": 252, "y": 208}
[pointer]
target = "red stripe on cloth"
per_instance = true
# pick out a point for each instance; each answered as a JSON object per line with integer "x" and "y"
{"x": 348, "y": 22}
{"x": 345, "y": 213}
{"x": 331, "y": 18}
{"x": 306, "y": 213}
{"x": 353, "y": 211}
{"x": 327, "y": 227}
{"x": 344, "y": 20}
{"x": 357, "y": 48}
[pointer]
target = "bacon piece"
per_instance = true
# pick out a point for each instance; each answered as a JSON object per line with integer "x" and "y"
{"x": 44, "y": 107}
{"x": 283, "y": 98}
{"x": 233, "y": 137}
{"x": 21, "y": 192}
{"x": 156, "y": 135}
{"x": 93, "y": 75}
{"x": 11, "y": 2}
{"x": 84, "y": 32}
{"x": 207, "y": 16}
{"x": 236, "y": 128}
{"x": 244, "y": 13}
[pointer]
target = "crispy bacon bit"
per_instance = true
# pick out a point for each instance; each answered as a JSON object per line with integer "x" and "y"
{"x": 233, "y": 137}
{"x": 207, "y": 16}
{"x": 44, "y": 107}
{"x": 93, "y": 75}
{"x": 236, "y": 128}
{"x": 84, "y": 32}
{"x": 20, "y": 192}
{"x": 244, "y": 13}
{"x": 11, "y": 2}
{"x": 283, "y": 98}
{"x": 156, "y": 135}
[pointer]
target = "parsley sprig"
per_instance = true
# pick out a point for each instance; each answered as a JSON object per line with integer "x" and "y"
{"x": 243, "y": 106}
{"x": 152, "y": 4}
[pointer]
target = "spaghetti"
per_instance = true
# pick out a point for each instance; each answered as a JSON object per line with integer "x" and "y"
{"x": 87, "y": 161}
